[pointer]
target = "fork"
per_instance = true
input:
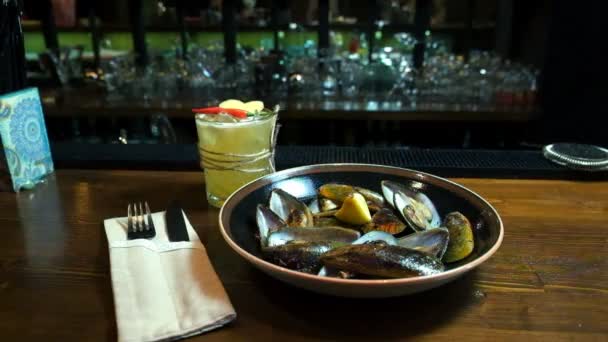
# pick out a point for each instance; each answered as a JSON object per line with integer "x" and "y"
{"x": 139, "y": 224}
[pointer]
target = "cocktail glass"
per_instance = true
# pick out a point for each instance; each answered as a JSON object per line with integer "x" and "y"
{"x": 234, "y": 152}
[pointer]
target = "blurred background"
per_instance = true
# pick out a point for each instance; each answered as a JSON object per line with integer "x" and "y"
{"x": 464, "y": 74}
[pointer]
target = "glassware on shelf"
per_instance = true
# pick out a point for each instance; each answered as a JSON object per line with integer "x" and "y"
{"x": 328, "y": 78}
{"x": 235, "y": 80}
{"x": 377, "y": 81}
{"x": 271, "y": 77}
{"x": 199, "y": 88}
{"x": 340, "y": 76}
{"x": 350, "y": 78}
{"x": 164, "y": 75}
{"x": 303, "y": 79}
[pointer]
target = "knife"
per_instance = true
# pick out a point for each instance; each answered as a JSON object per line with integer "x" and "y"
{"x": 176, "y": 226}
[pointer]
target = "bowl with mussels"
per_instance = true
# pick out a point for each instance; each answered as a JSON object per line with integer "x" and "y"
{"x": 358, "y": 230}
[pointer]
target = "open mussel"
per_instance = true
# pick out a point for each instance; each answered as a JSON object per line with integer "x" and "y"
{"x": 303, "y": 256}
{"x": 312, "y": 234}
{"x": 432, "y": 242}
{"x": 290, "y": 209}
{"x": 384, "y": 220}
{"x": 382, "y": 260}
{"x": 418, "y": 215}
{"x": 337, "y": 193}
{"x": 389, "y": 188}
{"x": 415, "y": 207}
{"x": 268, "y": 222}
{"x": 461, "y": 242}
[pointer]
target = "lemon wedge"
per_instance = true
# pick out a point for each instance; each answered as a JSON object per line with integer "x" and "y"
{"x": 354, "y": 210}
{"x": 254, "y": 106}
{"x": 235, "y": 104}
{"x": 249, "y": 107}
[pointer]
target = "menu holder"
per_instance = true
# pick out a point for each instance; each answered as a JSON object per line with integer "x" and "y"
{"x": 25, "y": 155}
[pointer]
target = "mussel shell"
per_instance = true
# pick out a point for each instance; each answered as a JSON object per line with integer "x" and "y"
{"x": 426, "y": 201}
{"x": 338, "y": 193}
{"x": 299, "y": 255}
{"x": 314, "y": 207}
{"x": 297, "y": 218}
{"x": 384, "y": 220}
{"x": 382, "y": 260}
{"x": 268, "y": 222}
{"x": 326, "y": 204}
{"x": 312, "y": 234}
{"x": 330, "y": 221}
{"x": 290, "y": 209}
{"x": 334, "y": 273}
{"x": 376, "y": 235}
{"x": 389, "y": 189}
{"x": 462, "y": 241}
{"x": 410, "y": 211}
{"x": 335, "y": 192}
{"x": 329, "y": 213}
{"x": 374, "y": 207}
{"x": 432, "y": 242}
{"x": 366, "y": 238}
{"x": 376, "y": 199}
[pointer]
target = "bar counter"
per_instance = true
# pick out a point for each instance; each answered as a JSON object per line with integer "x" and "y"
{"x": 548, "y": 281}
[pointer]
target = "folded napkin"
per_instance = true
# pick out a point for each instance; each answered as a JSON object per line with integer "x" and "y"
{"x": 163, "y": 290}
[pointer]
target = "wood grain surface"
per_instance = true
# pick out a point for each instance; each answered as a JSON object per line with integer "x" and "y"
{"x": 548, "y": 281}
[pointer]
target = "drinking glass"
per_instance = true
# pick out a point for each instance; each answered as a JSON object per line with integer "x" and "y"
{"x": 350, "y": 78}
{"x": 234, "y": 152}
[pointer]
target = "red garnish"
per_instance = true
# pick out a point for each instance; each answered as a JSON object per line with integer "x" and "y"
{"x": 353, "y": 45}
{"x": 237, "y": 113}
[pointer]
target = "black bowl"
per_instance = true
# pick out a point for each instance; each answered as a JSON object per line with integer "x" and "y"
{"x": 238, "y": 225}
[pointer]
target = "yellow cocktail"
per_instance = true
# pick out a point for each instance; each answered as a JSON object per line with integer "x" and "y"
{"x": 234, "y": 151}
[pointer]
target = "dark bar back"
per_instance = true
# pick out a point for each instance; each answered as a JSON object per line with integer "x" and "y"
{"x": 323, "y": 27}
{"x": 95, "y": 34}
{"x": 229, "y": 27}
{"x": 504, "y": 27}
{"x": 49, "y": 30}
{"x": 136, "y": 16}
{"x": 468, "y": 39}
{"x": 422, "y": 21}
{"x": 12, "y": 52}
{"x": 374, "y": 10}
{"x": 180, "y": 13}
{"x": 274, "y": 24}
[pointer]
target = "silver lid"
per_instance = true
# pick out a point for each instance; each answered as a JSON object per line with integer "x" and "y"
{"x": 578, "y": 156}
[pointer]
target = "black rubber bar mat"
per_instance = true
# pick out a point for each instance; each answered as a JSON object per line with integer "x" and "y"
{"x": 443, "y": 162}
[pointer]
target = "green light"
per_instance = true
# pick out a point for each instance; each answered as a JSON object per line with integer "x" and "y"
{"x": 378, "y": 35}
{"x": 427, "y": 33}
{"x": 281, "y": 34}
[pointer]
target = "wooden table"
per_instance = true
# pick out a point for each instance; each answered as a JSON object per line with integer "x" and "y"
{"x": 548, "y": 281}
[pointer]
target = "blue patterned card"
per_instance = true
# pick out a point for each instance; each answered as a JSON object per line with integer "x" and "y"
{"x": 25, "y": 156}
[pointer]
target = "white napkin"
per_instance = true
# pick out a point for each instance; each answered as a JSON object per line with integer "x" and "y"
{"x": 164, "y": 290}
